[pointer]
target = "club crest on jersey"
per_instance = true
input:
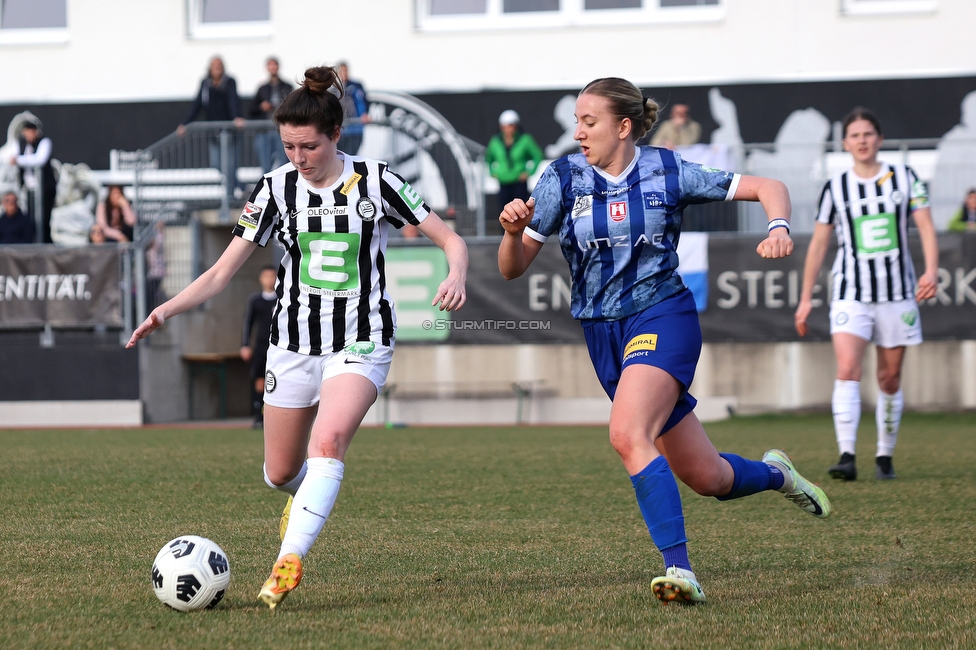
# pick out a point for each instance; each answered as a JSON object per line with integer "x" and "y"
{"x": 250, "y": 216}
{"x": 583, "y": 207}
{"x": 365, "y": 208}
{"x": 898, "y": 197}
{"x": 618, "y": 211}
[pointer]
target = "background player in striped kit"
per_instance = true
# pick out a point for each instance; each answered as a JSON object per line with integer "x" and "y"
{"x": 616, "y": 208}
{"x": 334, "y": 326}
{"x": 257, "y": 328}
{"x": 873, "y": 290}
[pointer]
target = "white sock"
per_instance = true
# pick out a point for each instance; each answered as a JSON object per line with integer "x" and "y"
{"x": 846, "y": 406}
{"x": 291, "y": 487}
{"x": 312, "y": 505}
{"x": 888, "y": 417}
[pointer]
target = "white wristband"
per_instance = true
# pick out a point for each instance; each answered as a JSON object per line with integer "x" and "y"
{"x": 778, "y": 223}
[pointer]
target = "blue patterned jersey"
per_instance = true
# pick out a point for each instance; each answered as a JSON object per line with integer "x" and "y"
{"x": 620, "y": 235}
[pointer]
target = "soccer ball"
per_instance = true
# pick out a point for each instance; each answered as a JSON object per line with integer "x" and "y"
{"x": 190, "y": 573}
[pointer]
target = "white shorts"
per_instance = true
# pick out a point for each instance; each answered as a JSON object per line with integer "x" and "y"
{"x": 294, "y": 380}
{"x": 887, "y": 324}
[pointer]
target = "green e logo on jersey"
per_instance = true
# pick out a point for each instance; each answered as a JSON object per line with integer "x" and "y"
{"x": 410, "y": 195}
{"x": 329, "y": 261}
{"x": 875, "y": 233}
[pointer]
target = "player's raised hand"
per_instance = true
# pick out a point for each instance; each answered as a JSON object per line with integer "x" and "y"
{"x": 147, "y": 327}
{"x": 777, "y": 244}
{"x": 517, "y": 215}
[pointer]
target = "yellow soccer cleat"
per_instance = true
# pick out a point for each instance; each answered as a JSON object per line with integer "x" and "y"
{"x": 678, "y": 586}
{"x": 285, "y": 576}
{"x": 808, "y": 496}
{"x": 285, "y": 514}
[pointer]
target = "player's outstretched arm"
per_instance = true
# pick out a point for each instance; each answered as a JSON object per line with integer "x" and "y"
{"x": 451, "y": 294}
{"x": 208, "y": 285}
{"x": 517, "y": 250}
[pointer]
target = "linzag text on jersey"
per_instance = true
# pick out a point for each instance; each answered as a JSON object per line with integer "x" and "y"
{"x": 621, "y": 241}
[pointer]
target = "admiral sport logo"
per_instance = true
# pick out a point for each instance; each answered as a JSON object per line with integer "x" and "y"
{"x": 640, "y": 346}
{"x": 351, "y": 183}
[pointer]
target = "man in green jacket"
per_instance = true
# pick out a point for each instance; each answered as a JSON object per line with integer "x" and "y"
{"x": 512, "y": 156}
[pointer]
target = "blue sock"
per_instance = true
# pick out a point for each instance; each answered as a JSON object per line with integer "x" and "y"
{"x": 660, "y": 504}
{"x": 751, "y": 476}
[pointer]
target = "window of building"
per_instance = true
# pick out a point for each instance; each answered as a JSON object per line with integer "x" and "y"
{"x": 229, "y": 18}
{"x": 33, "y": 21}
{"x": 437, "y": 15}
{"x": 875, "y": 7}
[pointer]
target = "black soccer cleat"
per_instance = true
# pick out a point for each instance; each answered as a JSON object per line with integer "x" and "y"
{"x": 884, "y": 470}
{"x": 845, "y": 469}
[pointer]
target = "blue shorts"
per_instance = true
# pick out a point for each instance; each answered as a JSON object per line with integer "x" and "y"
{"x": 666, "y": 335}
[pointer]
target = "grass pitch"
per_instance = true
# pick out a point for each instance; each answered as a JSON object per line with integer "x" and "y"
{"x": 488, "y": 538}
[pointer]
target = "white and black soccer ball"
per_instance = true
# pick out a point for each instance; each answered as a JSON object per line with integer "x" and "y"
{"x": 190, "y": 573}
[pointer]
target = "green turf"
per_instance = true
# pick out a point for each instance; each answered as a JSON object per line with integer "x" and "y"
{"x": 488, "y": 538}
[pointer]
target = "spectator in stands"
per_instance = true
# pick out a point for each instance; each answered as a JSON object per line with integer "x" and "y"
{"x": 678, "y": 131}
{"x": 220, "y": 102}
{"x": 96, "y": 235}
{"x": 156, "y": 267}
{"x": 355, "y": 112}
{"x": 15, "y": 226}
{"x": 512, "y": 156}
{"x": 115, "y": 216}
{"x": 257, "y": 328}
{"x": 267, "y": 145}
{"x": 34, "y": 161}
{"x": 965, "y": 218}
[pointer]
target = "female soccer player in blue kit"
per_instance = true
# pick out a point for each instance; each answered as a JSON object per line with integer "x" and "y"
{"x": 616, "y": 208}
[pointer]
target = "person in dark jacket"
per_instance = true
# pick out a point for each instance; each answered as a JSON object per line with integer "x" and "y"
{"x": 15, "y": 226}
{"x": 356, "y": 110}
{"x": 267, "y": 145}
{"x": 257, "y": 327}
{"x": 34, "y": 160}
{"x": 219, "y": 101}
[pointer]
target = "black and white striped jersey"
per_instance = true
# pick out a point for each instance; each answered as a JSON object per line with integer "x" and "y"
{"x": 331, "y": 283}
{"x": 870, "y": 216}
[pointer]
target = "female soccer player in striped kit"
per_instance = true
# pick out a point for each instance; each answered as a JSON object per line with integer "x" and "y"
{"x": 616, "y": 209}
{"x": 873, "y": 294}
{"x": 334, "y": 325}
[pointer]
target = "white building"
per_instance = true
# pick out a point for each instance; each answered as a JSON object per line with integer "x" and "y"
{"x": 68, "y": 51}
